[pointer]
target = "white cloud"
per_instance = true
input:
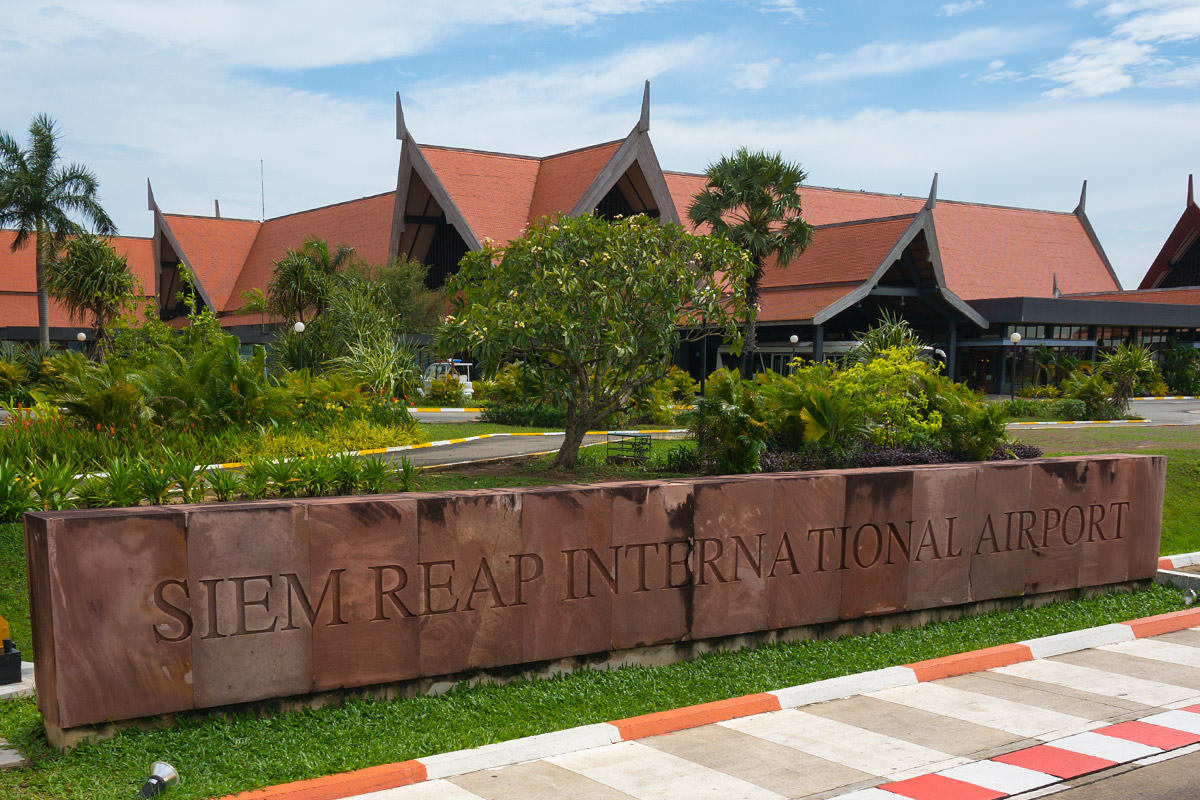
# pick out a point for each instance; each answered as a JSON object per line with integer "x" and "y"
{"x": 786, "y": 7}
{"x": 1131, "y": 54}
{"x": 897, "y": 58}
{"x": 756, "y": 76}
{"x": 294, "y": 34}
{"x": 954, "y": 9}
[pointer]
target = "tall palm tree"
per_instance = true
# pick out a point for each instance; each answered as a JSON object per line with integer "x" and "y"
{"x": 92, "y": 280}
{"x": 304, "y": 279}
{"x": 38, "y": 197}
{"x": 753, "y": 199}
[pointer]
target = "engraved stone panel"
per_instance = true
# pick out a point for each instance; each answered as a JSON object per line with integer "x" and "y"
{"x": 873, "y": 542}
{"x": 731, "y": 522}
{"x": 802, "y": 590}
{"x": 997, "y": 566}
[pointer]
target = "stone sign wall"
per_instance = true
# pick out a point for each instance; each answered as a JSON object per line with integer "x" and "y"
{"x": 146, "y": 611}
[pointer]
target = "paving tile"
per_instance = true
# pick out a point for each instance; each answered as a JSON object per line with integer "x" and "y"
{"x": 1189, "y": 637}
{"x": 772, "y": 766}
{"x": 844, "y": 744}
{"x": 1068, "y": 700}
{"x": 1182, "y": 720}
{"x": 1109, "y": 747}
{"x": 650, "y": 774}
{"x": 1099, "y": 681}
{"x": 1174, "y": 674}
{"x": 1055, "y": 761}
{"x": 1017, "y": 718}
{"x": 429, "y": 790}
{"x": 1158, "y": 650}
{"x": 928, "y": 729}
{"x": 535, "y": 780}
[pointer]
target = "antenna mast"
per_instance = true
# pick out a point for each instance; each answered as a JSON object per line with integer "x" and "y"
{"x": 262, "y": 191}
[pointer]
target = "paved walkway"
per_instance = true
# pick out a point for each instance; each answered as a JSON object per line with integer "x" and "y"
{"x": 1019, "y": 720}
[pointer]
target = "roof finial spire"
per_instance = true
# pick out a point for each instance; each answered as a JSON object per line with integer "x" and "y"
{"x": 1191, "y": 197}
{"x": 1082, "y": 207}
{"x": 644, "y": 121}
{"x": 150, "y": 204}
{"x": 216, "y": 208}
{"x": 1055, "y": 290}
{"x": 932, "y": 201}
{"x": 401, "y": 128}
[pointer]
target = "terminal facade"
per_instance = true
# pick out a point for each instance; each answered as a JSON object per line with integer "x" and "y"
{"x": 966, "y": 275}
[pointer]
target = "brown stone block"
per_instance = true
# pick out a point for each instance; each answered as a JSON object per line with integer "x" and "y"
{"x": 116, "y": 653}
{"x": 1145, "y": 524}
{"x": 371, "y": 635}
{"x": 800, "y": 590}
{"x": 997, "y": 567}
{"x": 566, "y": 560}
{"x": 943, "y": 510}
{"x": 252, "y": 638}
{"x": 466, "y": 547}
{"x": 872, "y": 541}
{"x": 1076, "y": 536}
{"x": 731, "y": 520}
{"x": 652, "y": 526}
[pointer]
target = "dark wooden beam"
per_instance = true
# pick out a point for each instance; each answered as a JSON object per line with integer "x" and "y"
{"x": 416, "y": 219}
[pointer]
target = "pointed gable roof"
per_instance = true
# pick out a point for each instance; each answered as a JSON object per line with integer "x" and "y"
{"x": 363, "y": 224}
{"x": 492, "y": 191}
{"x": 1180, "y": 243}
{"x": 214, "y": 250}
{"x": 563, "y": 179}
{"x": 987, "y": 251}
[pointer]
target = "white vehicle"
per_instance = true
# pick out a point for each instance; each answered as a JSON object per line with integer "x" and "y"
{"x": 439, "y": 369}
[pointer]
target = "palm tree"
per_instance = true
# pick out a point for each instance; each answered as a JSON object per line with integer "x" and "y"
{"x": 753, "y": 200}
{"x": 37, "y": 197}
{"x": 303, "y": 279}
{"x": 91, "y": 278}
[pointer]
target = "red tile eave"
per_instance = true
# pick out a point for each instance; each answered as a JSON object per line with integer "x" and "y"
{"x": 844, "y": 253}
{"x": 1183, "y": 295}
{"x": 492, "y": 191}
{"x": 799, "y": 304}
{"x": 562, "y": 179}
{"x": 1189, "y": 222}
{"x": 215, "y": 248}
{"x": 365, "y": 225}
{"x": 18, "y": 285}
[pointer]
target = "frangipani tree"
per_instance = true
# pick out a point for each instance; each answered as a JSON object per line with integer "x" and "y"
{"x": 597, "y": 308}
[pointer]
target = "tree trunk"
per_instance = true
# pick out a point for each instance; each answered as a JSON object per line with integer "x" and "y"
{"x": 576, "y": 429}
{"x": 43, "y": 300}
{"x": 750, "y": 330}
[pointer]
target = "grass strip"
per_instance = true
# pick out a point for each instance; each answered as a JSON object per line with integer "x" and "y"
{"x": 217, "y": 754}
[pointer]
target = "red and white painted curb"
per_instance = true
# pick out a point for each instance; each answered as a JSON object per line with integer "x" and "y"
{"x": 1180, "y": 561}
{"x": 1045, "y": 764}
{"x": 999, "y": 777}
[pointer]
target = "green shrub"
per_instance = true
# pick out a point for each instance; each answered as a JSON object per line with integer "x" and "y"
{"x": 1048, "y": 392}
{"x": 446, "y": 391}
{"x": 529, "y": 416}
{"x": 731, "y": 429}
{"x": 1025, "y": 407}
{"x": 1070, "y": 408}
{"x": 15, "y": 491}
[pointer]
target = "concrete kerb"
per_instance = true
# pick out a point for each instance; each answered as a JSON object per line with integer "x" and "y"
{"x": 574, "y": 739}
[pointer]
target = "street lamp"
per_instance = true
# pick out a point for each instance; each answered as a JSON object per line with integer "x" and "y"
{"x": 299, "y": 329}
{"x": 795, "y": 340}
{"x": 1015, "y": 338}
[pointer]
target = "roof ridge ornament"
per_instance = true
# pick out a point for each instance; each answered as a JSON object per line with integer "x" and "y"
{"x": 401, "y": 128}
{"x": 1082, "y": 207}
{"x": 932, "y": 201}
{"x": 150, "y": 204}
{"x": 1191, "y": 201}
{"x": 644, "y": 119}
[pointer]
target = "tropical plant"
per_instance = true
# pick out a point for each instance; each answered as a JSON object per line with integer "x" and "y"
{"x": 302, "y": 281}
{"x": 407, "y": 474}
{"x": 225, "y": 483}
{"x": 730, "y": 424}
{"x": 15, "y": 491}
{"x": 1180, "y": 368}
{"x": 890, "y": 389}
{"x": 594, "y": 308}
{"x": 122, "y": 483}
{"x": 187, "y": 475}
{"x": 446, "y": 390}
{"x": 413, "y": 307}
{"x": 891, "y": 331}
{"x": 753, "y": 200}
{"x": 93, "y": 281}
{"x": 38, "y": 196}
{"x": 374, "y": 474}
{"x": 1125, "y": 368}
{"x": 1093, "y": 391}
{"x": 154, "y": 479}
{"x": 384, "y": 366}
{"x": 53, "y": 484}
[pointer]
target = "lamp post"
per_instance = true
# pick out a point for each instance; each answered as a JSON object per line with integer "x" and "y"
{"x": 299, "y": 329}
{"x": 1015, "y": 338}
{"x": 81, "y": 337}
{"x": 795, "y": 340}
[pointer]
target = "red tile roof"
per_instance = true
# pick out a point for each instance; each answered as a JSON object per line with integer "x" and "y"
{"x": 365, "y": 225}
{"x": 492, "y": 190}
{"x": 842, "y": 253}
{"x": 215, "y": 248}
{"x": 563, "y": 178}
{"x": 1183, "y": 295}
{"x": 1182, "y": 234}
{"x": 800, "y": 303}
{"x": 987, "y": 251}
{"x": 18, "y": 286}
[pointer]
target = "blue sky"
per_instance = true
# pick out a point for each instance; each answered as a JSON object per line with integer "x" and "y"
{"x": 1012, "y": 103}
